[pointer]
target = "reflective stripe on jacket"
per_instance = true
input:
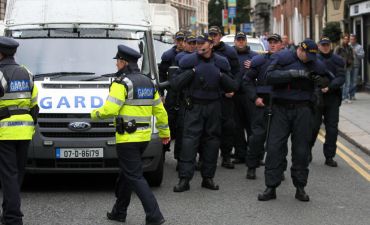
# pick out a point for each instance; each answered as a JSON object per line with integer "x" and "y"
{"x": 134, "y": 97}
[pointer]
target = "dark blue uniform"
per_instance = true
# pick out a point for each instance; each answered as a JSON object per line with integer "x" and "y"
{"x": 203, "y": 117}
{"x": 329, "y": 111}
{"x": 228, "y": 109}
{"x": 243, "y": 108}
{"x": 256, "y": 87}
{"x": 171, "y": 102}
{"x": 181, "y": 111}
{"x": 292, "y": 115}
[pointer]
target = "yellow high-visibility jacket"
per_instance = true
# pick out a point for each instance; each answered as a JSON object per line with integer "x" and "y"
{"x": 134, "y": 96}
{"x": 20, "y": 94}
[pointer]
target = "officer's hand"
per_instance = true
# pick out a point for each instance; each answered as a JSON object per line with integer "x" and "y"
{"x": 166, "y": 140}
{"x": 247, "y": 64}
{"x": 229, "y": 95}
{"x": 319, "y": 80}
{"x": 325, "y": 90}
{"x": 259, "y": 102}
{"x": 299, "y": 74}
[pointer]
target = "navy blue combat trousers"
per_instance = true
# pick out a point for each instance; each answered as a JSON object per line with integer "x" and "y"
{"x": 202, "y": 129}
{"x": 293, "y": 120}
{"x": 131, "y": 179}
{"x": 13, "y": 156}
{"x": 329, "y": 114}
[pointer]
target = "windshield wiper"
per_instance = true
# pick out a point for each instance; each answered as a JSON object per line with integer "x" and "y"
{"x": 61, "y": 74}
{"x": 100, "y": 76}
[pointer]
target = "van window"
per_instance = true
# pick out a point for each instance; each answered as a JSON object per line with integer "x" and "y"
{"x": 77, "y": 50}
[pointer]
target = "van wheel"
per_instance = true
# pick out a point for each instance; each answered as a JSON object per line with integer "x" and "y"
{"x": 155, "y": 177}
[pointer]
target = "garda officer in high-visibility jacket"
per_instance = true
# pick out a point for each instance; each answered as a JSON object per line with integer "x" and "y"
{"x": 18, "y": 101}
{"x": 132, "y": 100}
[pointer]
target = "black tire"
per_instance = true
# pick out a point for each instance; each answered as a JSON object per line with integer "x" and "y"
{"x": 155, "y": 177}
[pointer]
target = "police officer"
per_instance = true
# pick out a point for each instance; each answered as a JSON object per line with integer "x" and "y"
{"x": 132, "y": 100}
{"x": 291, "y": 75}
{"x": 203, "y": 113}
{"x": 228, "y": 110}
{"x": 18, "y": 102}
{"x": 259, "y": 93}
{"x": 243, "y": 107}
{"x": 329, "y": 112}
{"x": 189, "y": 47}
{"x": 170, "y": 103}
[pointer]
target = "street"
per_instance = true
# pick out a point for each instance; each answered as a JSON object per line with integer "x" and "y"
{"x": 338, "y": 196}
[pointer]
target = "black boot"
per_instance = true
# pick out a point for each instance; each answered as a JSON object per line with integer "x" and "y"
{"x": 116, "y": 216}
{"x": 268, "y": 194}
{"x": 209, "y": 184}
{"x": 155, "y": 223}
{"x": 310, "y": 157}
{"x": 283, "y": 177}
{"x": 182, "y": 186}
{"x": 226, "y": 162}
{"x": 251, "y": 173}
{"x": 301, "y": 195}
{"x": 331, "y": 162}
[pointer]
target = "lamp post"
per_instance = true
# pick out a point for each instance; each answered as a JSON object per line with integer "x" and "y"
{"x": 336, "y": 4}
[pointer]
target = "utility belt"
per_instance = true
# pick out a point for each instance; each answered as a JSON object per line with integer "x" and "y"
{"x": 291, "y": 104}
{"x": 130, "y": 126}
{"x": 7, "y": 112}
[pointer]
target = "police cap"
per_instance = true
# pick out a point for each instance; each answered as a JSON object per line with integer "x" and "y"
{"x": 214, "y": 30}
{"x": 324, "y": 40}
{"x": 240, "y": 35}
{"x": 310, "y": 47}
{"x": 275, "y": 37}
{"x": 8, "y": 46}
{"x": 127, "y": 54}
{"x": 179, "y": 35}
{"x": 190, "y": 38}
{"x": 203, "y": 38}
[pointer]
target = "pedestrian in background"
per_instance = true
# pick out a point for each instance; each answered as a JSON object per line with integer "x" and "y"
{"x": 346, "y": 52}
{"x": 132, "y": 101}
{"x": 359, "y": 54}
{"x": 18, "y": 112}
{"x": 287, "y": 44}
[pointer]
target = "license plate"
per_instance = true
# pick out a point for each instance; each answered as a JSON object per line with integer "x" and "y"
{"x": 79, "y": 153}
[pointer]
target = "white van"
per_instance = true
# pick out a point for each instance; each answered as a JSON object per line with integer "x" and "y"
{"x": 68, "y": 45}
{"x": 165, "y": 23}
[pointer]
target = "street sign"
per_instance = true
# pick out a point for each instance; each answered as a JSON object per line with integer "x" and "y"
{"x": 232, "y": 12}
{"x": 246, "y": 27}
{"x": 232, "y": 3}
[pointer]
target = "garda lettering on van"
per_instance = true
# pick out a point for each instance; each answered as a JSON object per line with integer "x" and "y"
{"x": 71, "y": 104}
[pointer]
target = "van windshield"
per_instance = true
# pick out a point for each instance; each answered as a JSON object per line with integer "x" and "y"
{"x": 89, "y": 51}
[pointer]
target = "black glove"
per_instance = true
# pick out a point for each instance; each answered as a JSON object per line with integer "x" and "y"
{"x": 320, "y": 81}
{"x": 299, "y": 74}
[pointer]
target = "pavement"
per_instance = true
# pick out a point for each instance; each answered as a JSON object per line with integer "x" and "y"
{"x": 354, "y": 121}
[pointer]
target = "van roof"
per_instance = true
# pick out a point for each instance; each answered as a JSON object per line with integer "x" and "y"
{"x": 164, "y": 18}
{"x": 25, "y": 14}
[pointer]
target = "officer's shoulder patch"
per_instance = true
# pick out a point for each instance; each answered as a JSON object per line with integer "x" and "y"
{"x": 222, "y": 63}
{"x": 169, "y": 54}
{"x": 189, "y": 61}
{"x": 338, "y": 60}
